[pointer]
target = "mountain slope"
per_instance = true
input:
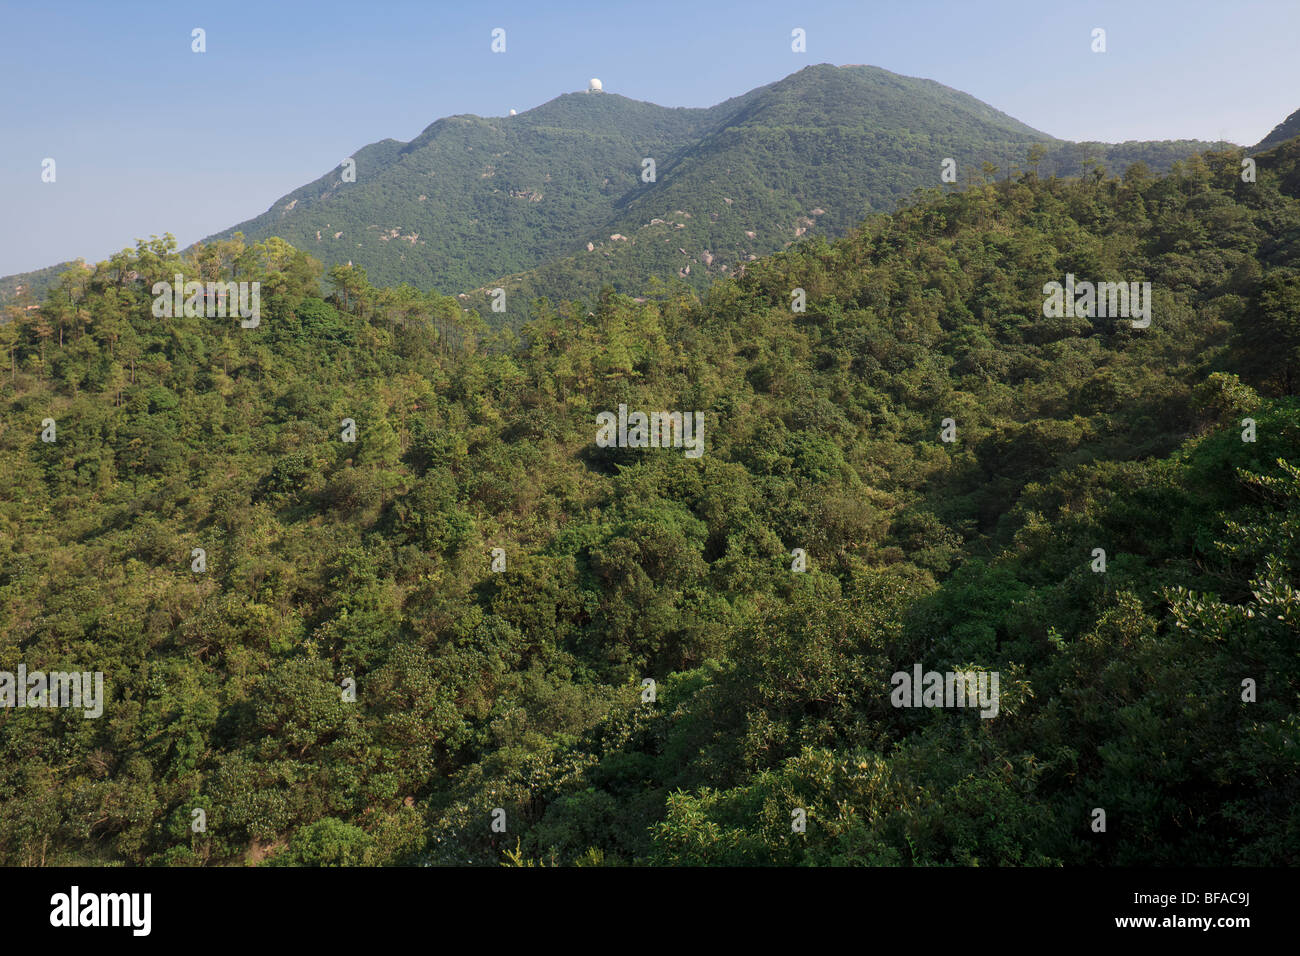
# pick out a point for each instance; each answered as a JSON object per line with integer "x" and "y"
{"x": 472, "y": 199}
{"x": 28, "y": 288}
{"x": 515, "y": 201}
{"x": 1283, "y": 131}
{"x": 813, "y": 153}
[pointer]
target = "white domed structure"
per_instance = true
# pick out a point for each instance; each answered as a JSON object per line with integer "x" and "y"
{"x": 512, "y": 113}
{"x": 593, "y": 86}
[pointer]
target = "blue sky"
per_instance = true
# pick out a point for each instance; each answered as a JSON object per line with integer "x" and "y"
{"x": 149, "y": 137}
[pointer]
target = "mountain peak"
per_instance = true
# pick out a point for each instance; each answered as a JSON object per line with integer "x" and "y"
{"x": 636, "y": 190}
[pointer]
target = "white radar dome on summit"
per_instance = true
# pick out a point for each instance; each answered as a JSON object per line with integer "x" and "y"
{"x": 593, "y": 86}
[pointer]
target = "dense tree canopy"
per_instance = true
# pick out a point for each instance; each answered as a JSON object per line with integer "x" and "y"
{"x": 367, "y": 564}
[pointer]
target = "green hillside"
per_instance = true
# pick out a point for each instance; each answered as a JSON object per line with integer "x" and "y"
{"x": 478, "y": 203}
{"x": 29, "y": 288}
{"x": 472, "y": 200}
{"x": 523, "y": 690}
{"x": 1289, "y": 128}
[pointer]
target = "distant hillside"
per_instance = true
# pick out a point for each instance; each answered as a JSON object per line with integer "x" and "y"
{"x": 553, "y": 198}
{"x": 473, "y": 199}
{"x": 31, "y": 287}
{"x": 695, "y": 232}
{"x": 1287, "y": 129}
{"x": 1284, "y": 159}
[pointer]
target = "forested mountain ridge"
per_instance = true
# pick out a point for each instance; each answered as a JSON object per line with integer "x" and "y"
{"x": 1289, "y": 128}
{"x": 474, "y": 199}
{"x": 513, "y": 201}
{"x": 522, "y": 690}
